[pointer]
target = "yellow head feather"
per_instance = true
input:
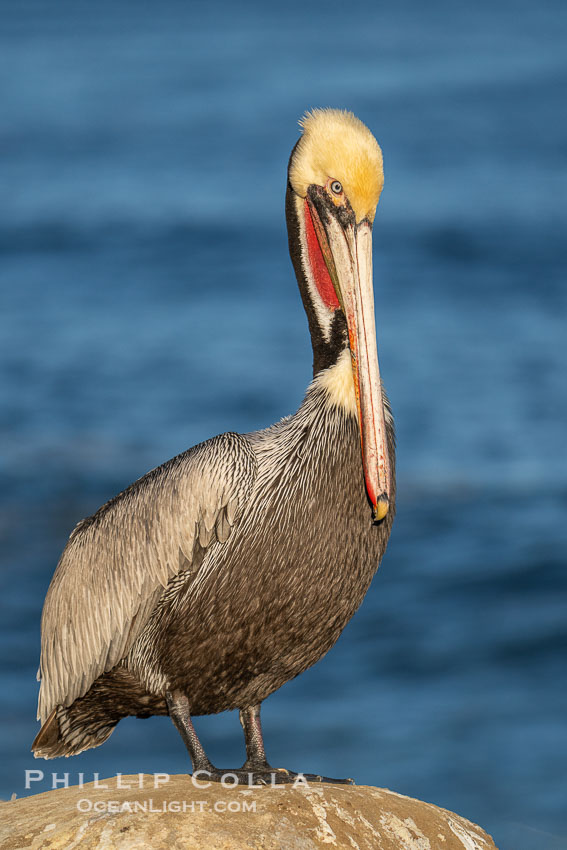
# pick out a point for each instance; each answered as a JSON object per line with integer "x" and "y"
{"x": 338, "y": 146}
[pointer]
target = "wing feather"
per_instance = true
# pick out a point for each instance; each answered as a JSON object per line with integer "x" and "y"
{"x": 117, "y": 562}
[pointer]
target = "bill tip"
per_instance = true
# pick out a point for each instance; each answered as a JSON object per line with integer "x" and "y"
{"x": 380, "y": 509}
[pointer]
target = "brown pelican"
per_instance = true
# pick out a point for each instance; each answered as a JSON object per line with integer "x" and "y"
{"x": 217, "y": 577}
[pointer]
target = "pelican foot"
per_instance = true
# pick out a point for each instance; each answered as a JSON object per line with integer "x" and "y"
{"x": 316, "y": 777}
{"x": 249, "y": 777}
{"x": 242, "y": 777}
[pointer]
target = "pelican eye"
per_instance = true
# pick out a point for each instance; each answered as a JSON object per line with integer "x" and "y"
{"x": 336, "y": 187}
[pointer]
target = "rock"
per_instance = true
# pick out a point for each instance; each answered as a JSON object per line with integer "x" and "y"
{"x": 177, "y": 815}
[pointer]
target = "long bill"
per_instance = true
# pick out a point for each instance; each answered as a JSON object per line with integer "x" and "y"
{"x": 347, "y": 249}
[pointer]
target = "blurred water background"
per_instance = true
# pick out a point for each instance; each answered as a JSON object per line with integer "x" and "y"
{"x": 148, "y": 302}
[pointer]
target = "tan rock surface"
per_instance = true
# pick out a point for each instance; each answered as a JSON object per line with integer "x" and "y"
{"x": 217, "y": 818}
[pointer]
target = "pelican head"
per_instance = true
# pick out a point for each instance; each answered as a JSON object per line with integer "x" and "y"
{"x": 335, "y": 178}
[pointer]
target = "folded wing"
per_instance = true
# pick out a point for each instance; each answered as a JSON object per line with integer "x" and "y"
{"x": 117, "y": 562}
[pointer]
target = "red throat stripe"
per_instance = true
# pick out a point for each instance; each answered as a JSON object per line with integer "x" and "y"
{"x": 318, "y": 266}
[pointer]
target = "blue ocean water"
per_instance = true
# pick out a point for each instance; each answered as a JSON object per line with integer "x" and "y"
{"x": 148, "y": 302}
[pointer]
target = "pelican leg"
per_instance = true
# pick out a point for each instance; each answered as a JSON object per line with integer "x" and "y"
{"x": 255, "y": 752}
{"x": 256, "y": 762}
{"x": 256, "y": 765}
{"x": 180, "y": 713}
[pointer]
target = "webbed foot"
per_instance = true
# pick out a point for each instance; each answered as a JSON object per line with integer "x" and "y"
{"x": 258, "y": 776}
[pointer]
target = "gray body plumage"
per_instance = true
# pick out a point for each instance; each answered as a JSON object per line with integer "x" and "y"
{"x": 224, "y": 573}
